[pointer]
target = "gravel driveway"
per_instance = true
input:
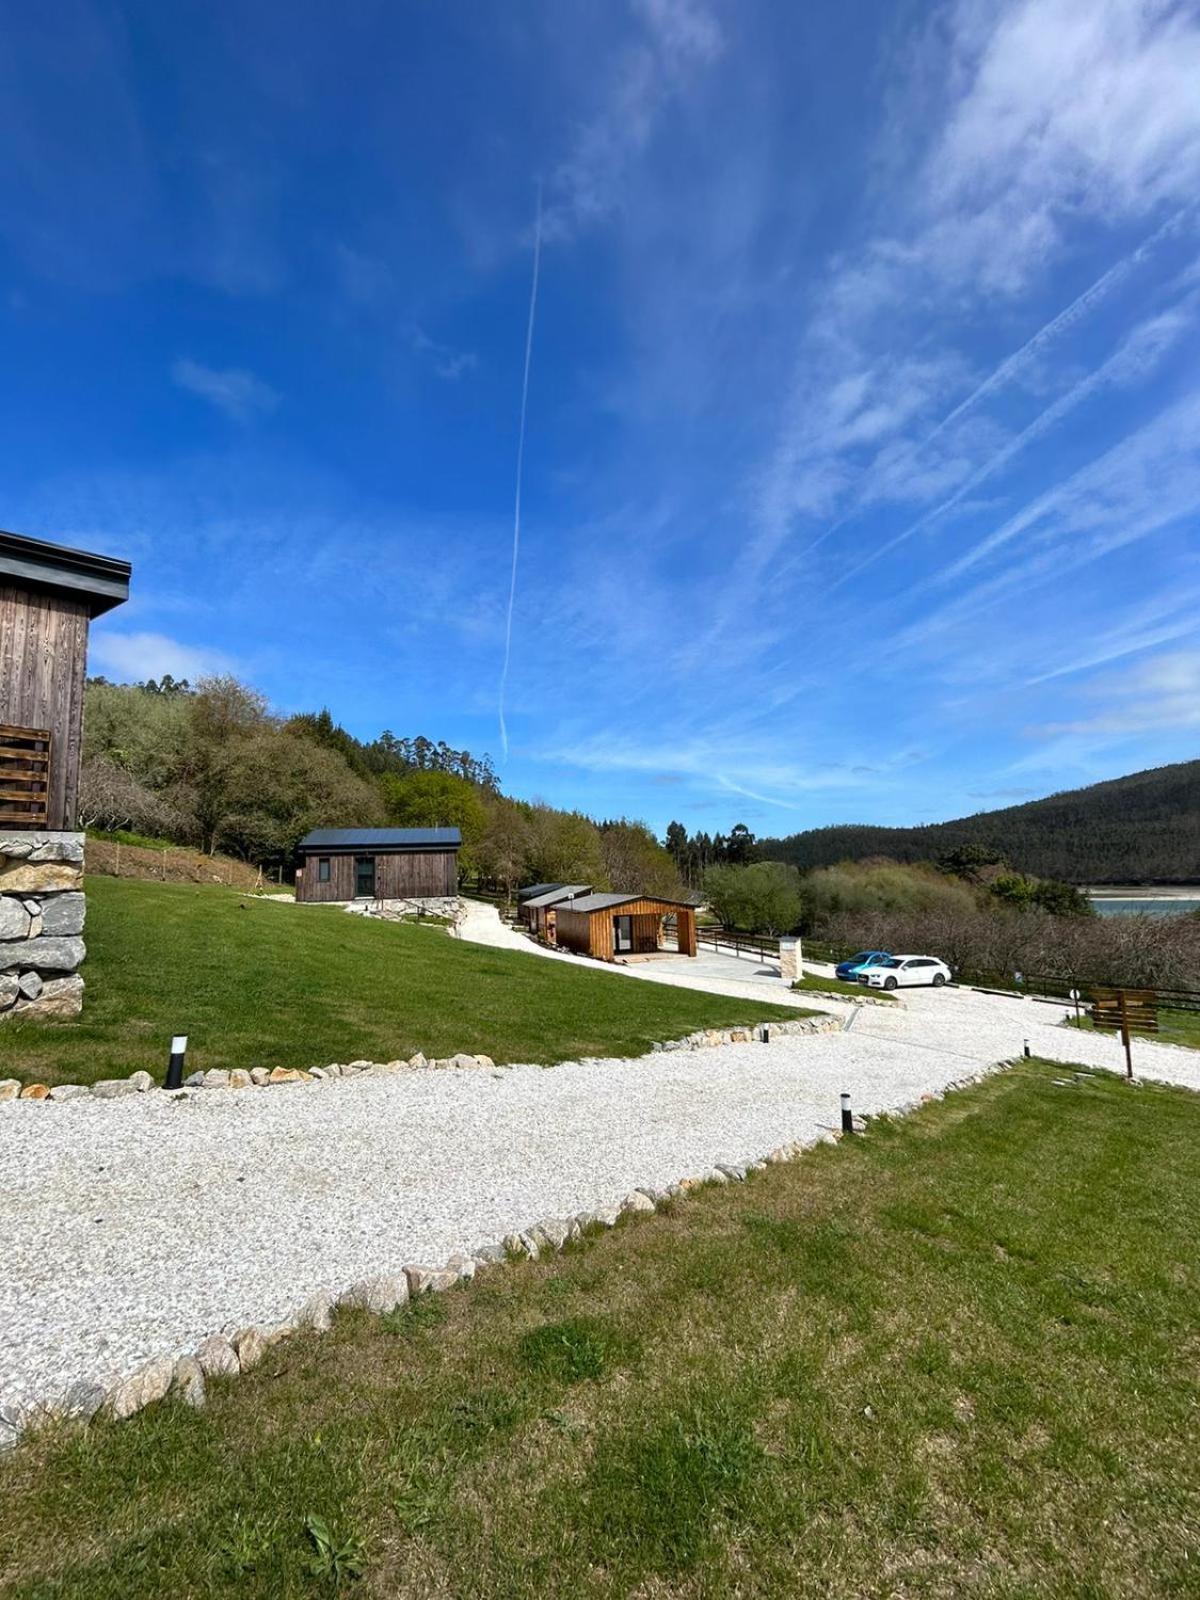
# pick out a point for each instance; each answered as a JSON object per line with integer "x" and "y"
{"x": 133, "y": 1228}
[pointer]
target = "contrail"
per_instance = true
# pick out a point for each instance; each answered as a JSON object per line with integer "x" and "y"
{"x": 516, "y": 548}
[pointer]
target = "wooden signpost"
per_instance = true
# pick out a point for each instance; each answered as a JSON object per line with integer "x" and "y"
{"x": 1125, "y": 1010}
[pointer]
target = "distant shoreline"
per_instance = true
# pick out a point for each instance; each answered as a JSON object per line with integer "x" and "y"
{"x": 1175, "y": 891}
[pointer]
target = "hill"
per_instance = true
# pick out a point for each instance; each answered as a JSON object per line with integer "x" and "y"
{"x": 1144, "y": 828}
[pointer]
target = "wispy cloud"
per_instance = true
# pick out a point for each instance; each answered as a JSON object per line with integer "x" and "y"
{"x": 134, "y": 657}
{"x": 678, "y": 39}
{"x": 233, "y": 390}
{"x": 447, "y": 362}
{"x": 1163, "y": 693}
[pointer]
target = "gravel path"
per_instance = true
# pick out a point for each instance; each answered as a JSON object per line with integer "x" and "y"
{"x": 133, "y": 1228}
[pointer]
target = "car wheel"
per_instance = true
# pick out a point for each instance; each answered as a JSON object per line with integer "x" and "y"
{"x": 938, "y": 980}
{"x": 889, "y": 983}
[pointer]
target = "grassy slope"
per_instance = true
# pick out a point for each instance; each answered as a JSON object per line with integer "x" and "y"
{"x": 1174, "y": 1027}
{"x": 957, "y": 1356}
{"x": 254, "y": 983}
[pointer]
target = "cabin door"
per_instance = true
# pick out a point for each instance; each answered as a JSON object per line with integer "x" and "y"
{"x": 364, "y": 877}
{"x": 622, "y": 935}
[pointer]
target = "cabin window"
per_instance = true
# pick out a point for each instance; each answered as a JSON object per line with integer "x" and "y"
{"x": 364, "y": 877}
{"x": 322, "y": 869}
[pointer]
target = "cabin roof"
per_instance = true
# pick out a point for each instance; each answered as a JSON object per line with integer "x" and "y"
{"x": 602, "y": 902}
{"x": 564, "y": 891}
{"x": 100, "y": 582}
{"x": 535, "y": 888}
{"x": 381, "y": 839}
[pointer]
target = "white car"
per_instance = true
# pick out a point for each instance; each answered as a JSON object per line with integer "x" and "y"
{"x": 900, "y": 972}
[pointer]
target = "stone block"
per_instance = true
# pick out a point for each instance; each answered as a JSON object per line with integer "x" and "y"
{"x": 9, "y": 990}
{"x": 58, "y": 997}
{"x": 146, "y": 1386}
{"x": 113, "y": 1088}
{"x": 37, "y": 877}
{"x": 30, "y": 985}
{"x": 379, "y": 1294}
{"x": 187, "y": 1382}
{"x": 47, "y": 955}
{"x": 10, "y": 1088}
{"x": 36, "y": 1091}
{"x": 217, "y": 1357}
{"x": 14, "y": 919}
{"x": 69, "y": 1091}
{"x": 63, "y": 914}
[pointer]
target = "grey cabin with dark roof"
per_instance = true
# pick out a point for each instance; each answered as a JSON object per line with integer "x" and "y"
{"x": 341, "y": 864}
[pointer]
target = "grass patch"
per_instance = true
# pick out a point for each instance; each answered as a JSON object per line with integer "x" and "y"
{"x": 853, "y": 991}
{"x": 256, "y": 983}
{"x": 954, "y": 1356}
{"x": 1174, "y": 1027}
{"x": 578, "y": 1349}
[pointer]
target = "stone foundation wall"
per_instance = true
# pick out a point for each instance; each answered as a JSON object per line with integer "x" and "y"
{"x": 448, "y": 906}
{"x": 41, "y": 924}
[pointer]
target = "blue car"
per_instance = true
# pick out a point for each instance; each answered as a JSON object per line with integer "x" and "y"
{"x": 852, "y": 971}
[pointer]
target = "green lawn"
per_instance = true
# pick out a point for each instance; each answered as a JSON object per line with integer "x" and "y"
{"x": 1174, "y": 1027}
{"x": 810, "y": 983}
{"x": 954, "y": 1357}
{"x": 258, "y": 983}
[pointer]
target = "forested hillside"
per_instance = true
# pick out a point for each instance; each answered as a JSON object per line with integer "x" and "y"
{"x": 1141, "y": 829}
{"x": 213, "y": 767}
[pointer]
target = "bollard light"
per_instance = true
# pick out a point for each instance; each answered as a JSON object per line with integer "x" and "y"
{"x": 1027, "y": 1050}
{"x": 847, "y": 1115}
{"x": 174, "y": 1078}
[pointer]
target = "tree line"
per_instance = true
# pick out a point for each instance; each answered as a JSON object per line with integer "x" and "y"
{"x": 212, "y": 766}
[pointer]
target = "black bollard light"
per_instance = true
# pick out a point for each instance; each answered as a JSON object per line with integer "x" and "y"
{"x": 174, "y": 1078}
{"x": 1027, "y": 1050}
{"x": 847, "y": 1115}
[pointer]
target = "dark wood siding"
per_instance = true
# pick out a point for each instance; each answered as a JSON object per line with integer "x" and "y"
{"x": 399, "y": 874}
{"x": 43, "y": 658}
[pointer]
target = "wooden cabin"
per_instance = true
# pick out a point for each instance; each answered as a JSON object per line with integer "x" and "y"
{"x": 609, "y": 926}
{"x": 342, "y": 864}
{"x": 539, "y": 912}
{"x": 48, "y": 597}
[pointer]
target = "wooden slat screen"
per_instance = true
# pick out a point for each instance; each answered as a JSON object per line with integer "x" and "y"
{"x": 1138, "y": 1008}
{"x": 24, "y": 776}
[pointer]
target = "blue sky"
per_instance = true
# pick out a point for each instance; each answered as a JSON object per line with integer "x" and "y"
{"x": 862, "y": 474}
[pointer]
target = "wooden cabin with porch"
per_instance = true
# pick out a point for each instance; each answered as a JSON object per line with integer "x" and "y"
{"x": 610, "y": 926}
{"x": 343, "y": 864}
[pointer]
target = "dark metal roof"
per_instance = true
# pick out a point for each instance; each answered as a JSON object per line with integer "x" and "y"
{"x": 101, "y": 582}
{"x": 602, "y": 902}
{"x": 536, "y": 888}
{"x": 381, "y": 839}
{"x": 564, "y": 891}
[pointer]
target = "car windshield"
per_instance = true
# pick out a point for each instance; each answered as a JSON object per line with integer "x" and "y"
{"x": 862, "y": 957}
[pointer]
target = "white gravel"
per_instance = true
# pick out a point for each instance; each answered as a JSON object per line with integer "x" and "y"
{"x": 133, "y": 1228}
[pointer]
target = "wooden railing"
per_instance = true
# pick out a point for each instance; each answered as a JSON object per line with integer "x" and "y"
{"x": 738, "y": 944}
{"x": 24, "y": 776}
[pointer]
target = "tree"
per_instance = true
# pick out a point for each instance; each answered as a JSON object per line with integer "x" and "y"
{"x": 564, "y": 847}
{"x": 761, "y": 898}
{"x": 504, "y": 846}
{"x": 433, "y": 799}
{"x": 634, "y": 859}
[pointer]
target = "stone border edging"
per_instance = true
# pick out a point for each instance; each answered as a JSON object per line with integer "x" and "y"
{"x": 866, "y": 999}
{"x": 263, "y": 1077}
{"x": 225, "y": 1355}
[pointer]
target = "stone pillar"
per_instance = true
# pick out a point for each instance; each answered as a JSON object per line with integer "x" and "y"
{"x": 789, "y": 958}
{"x": 41, "y": 921}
